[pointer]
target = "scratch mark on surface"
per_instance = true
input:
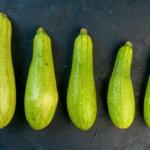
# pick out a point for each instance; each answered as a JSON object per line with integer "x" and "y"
{"x": 59, "y": 75}
{"x": 98, "y": 77}
{"x": 42, "y": 12}
{"x": 64, "y": 66}
{"x": 94, "y": 138}
{"x": 64, "y": 31}
{"x": 70, "y": 4}
{"x": 13, "y": 8}
{"x": 137, "y": 94}
{"x": 133, "y": 3}
{"x": 97, "y": 95}
{"x": 65, "y": 113}
{"x": 103, "y": 115}
{"x": 17, "y": 12}
{"x": 55, "y": 127}
{"x": 77, "y": 138}
{"x": 30, "y": 41}
{"x": 68, "y": 122}
{"x": 50, "y": 31}
{"x": 1, "y": 3}
{"x": 106, "y": 79}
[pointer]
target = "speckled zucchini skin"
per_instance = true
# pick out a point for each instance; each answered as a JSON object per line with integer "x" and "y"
{"x": 81, "y": 95}
{"x": 7, "y": 80}
{"x": 41, "y": 96}
{"x": 147, "y": 104}
{"x": 120, "y": 98}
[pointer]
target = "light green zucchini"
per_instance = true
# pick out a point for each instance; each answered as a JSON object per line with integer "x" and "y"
{"x": 120, "y": 98}
{"x": 7, "y": 80}
{"x": 81, "y": 95}
{"x": 41, "y": 96}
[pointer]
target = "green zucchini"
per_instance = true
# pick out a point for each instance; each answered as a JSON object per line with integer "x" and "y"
{"x": 120, "y": 98}
{"x": 41, "y": 96}
{"x": 147, "y": 104}
{"x": 7, "y": 80}
{"x": 81, "y": 94}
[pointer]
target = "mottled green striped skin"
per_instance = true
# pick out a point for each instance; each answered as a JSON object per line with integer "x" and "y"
{"x": 7, "y": 80}
{"x": 147, "y": 104}
{"x": 120, "y": 98}
{"x": 81, "y": 95}
{"x": 41, "y": 96}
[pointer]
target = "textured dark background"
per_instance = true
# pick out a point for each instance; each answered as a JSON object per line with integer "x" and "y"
{"x": 110, "y": 23}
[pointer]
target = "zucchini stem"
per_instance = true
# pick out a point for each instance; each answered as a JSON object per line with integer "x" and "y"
{"x": 41, "y": 29}
{"x": 4, "y": 15}
{"x": 128, "y": 43}
{"x": 83, "y": 31}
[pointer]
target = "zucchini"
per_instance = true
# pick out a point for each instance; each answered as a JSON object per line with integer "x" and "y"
{"x": 7, "y": 79}
{"x": 120, "y": 98}
{"x": 81, "y": 94}
{"x": 41, "y": 96}
{"x": 147, "y": 104}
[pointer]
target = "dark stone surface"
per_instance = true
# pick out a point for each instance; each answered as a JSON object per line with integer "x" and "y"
{"x": 110, "y": 23}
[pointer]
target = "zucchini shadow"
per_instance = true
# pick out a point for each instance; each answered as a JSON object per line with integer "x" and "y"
{"x": 22, "y": 47}
{"x": 143, "y": 87}
{"x": 64, "y": 75}
{"x": 103, "y": 83}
